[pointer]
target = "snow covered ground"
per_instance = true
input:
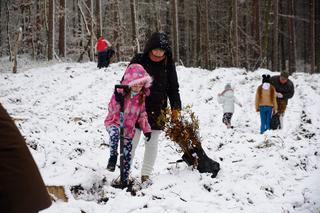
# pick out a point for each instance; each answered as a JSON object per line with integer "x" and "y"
{"x": 60, "y": 110}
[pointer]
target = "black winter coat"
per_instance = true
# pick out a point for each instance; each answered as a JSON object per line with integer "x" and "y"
{"x": 165, "y": 81}
{"x": 21, "y": 187}
{"x": 287, "y": 89}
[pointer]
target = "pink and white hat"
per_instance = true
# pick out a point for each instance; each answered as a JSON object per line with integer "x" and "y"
{"x": 135, "y": 74}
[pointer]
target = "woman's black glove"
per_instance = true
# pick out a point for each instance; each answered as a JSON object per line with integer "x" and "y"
{"x": 148, "y": 136}
{"x": 119, "y": 97}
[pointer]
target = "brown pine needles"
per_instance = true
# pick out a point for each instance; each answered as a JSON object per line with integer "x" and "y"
{"x": 183, "y": 130}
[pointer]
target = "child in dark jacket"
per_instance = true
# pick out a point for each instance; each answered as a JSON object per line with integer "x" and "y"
{"x": 139, "y": 82}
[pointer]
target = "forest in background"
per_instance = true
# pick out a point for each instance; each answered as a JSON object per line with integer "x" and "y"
{"x": 273, "y": 34}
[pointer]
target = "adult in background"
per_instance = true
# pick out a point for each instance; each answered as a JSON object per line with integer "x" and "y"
{"x": 104, "y": 52}
{"x": 158, "y": 62}
{"x": 284, "y": 91}
{"x": 21, "y": 187}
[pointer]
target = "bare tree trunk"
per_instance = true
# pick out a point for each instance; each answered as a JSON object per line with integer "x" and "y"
{"x": 187, "y": 44}
{"x": 1, "y": 29}
{"x": 8, "y": 33}
{"x": 75, "y": 21}
{"x": 198, "y": 35}
{"x": 275, "y": 42}
{"x": 98, "y": 18}
{"x": 234, "y": 34}
{"x": 292, "y": 37}
{"x": 204, "y": 28}
{"x": 317, "y": 34}
{"x": 312, "y": 36}
{"x": 51, "y": 29}
{"x": 282, "y": 38}
{"x": 192, "y": 41}
{"x": 116, "y": 33}
{"x": 265, "y": 48}
{"x": 246, "y": 38}
{"x": 15, "y": 51}
{"x": 256, "y": 31}
{"x": 216, "y": 39}
{"x": 135, "y": 41}
{"x": 62, "y": 29}
{"x": 91, "y": 33}
{"x": 175, "y": 39}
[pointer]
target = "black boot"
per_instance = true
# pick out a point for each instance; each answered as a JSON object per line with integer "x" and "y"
{"x": 112, "y": 163}
{"x": 205, "y": 164}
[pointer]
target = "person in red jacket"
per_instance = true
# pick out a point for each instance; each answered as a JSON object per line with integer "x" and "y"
{"x": 104, "y": 52}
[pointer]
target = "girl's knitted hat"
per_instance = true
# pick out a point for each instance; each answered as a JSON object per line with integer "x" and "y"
{"x": 265, "y": 78}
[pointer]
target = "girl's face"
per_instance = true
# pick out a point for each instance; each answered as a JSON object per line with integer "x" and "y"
{"x": 136, "y": 88}
{"x": 158, "y": 52}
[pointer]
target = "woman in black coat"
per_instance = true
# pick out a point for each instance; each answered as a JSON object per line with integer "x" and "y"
{"x": 21, "y": 187}
{"x": 158, "y": 62}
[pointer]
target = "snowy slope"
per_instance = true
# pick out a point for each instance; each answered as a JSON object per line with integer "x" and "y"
{"x": 60, "y": 110}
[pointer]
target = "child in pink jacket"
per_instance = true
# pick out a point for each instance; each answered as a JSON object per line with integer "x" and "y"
{"x": 139, "y": 83}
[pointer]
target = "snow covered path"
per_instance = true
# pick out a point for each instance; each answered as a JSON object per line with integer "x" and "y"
{"x": 60, "y": 110}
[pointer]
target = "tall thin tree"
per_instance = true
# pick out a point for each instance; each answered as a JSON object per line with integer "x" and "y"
{"x": 98, "y": 18}
{"x": 317, "y": 34}
{"x": 135, "y": 40}
{"x": 51, "y": 29}
{"x": 312, "y": 36}
{"x": 62, "y": 28}
{"x": 275, "y": 36}
{"x": 197, "y": 35}
{"x": 175, "y": 30}
{"x": 234, "y": 34}
{"x": 255, "y": 32}
{"x": 205, "y": 33}
{"x": 292, "y": 37}
{"x": 91, "y": 26}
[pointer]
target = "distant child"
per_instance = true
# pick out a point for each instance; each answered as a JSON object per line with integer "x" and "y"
{"x": 139, "y": 83}
{"x": 227, "y": 99}
{"x": 266, "y": 102}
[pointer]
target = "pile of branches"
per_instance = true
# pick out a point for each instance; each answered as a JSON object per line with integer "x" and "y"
{"x": 184, "y": 131}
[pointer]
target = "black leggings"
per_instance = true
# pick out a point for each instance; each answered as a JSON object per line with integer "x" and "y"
{"x": 226, "y": 119}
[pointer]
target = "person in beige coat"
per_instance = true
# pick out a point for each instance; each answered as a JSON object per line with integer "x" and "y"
{"x": 21, "y": 187}
{"x": 266, "y": 102}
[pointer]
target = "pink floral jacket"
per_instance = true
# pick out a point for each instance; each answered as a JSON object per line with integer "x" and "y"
{"x": 133, "y": 112}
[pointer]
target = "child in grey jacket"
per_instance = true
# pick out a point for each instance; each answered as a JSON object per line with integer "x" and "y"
{"x": 227, "y": 99}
